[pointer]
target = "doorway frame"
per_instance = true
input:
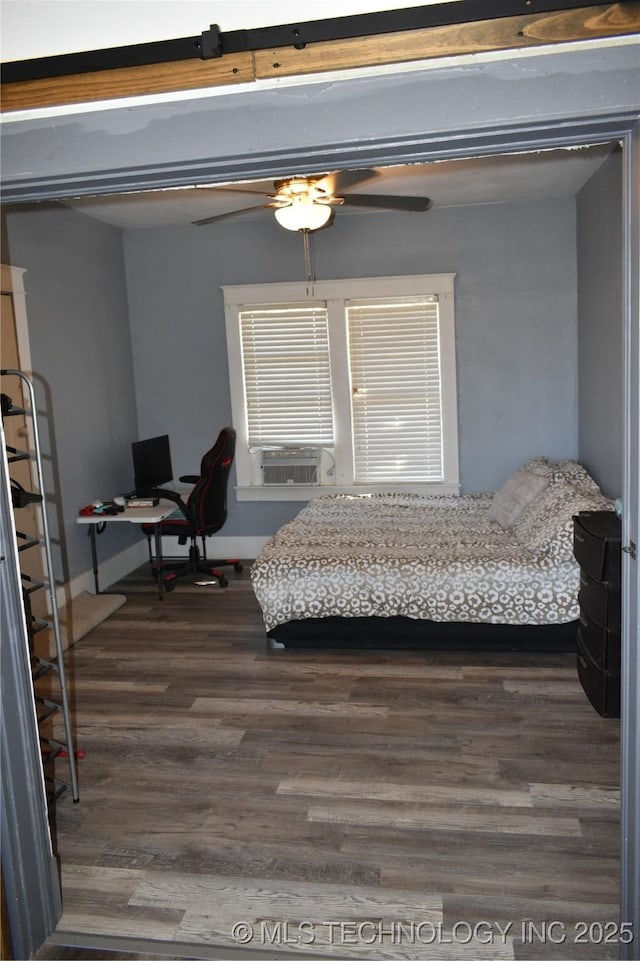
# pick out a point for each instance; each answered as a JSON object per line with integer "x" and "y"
{"x": 549, "y": 131}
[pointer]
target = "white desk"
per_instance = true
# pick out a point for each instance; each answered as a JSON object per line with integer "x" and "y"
{"x": 130, "y": 515}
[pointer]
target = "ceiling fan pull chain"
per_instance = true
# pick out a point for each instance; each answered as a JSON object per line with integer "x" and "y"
{"x": 309, "y": 261}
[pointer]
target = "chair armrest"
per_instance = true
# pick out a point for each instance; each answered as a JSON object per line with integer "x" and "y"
{"x": 190, "y": 478}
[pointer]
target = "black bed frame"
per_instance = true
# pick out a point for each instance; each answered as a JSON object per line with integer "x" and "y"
{"x": 404, "y": 633}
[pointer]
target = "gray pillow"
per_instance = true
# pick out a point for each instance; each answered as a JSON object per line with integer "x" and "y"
{"x": 517, "y": 492}
{"x": 574, "y": 472}
{"x": 546, "y": 526}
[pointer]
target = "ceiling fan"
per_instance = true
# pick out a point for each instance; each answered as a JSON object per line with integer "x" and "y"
{"x": 306, "y": 203}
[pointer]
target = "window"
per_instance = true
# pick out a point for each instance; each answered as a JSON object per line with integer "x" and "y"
{"x": 286, "y": 374}
{"x": 361, "y": 373}
{"x": 396, "y": 415}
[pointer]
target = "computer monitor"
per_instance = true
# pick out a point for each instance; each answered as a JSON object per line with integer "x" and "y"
{"x": 151, "y": 463}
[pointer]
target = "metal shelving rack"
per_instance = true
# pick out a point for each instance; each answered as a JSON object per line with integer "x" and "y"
{"x": 47, "y": 703}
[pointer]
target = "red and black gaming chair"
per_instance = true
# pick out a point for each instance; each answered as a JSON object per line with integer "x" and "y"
{"x": 203, "y": 514}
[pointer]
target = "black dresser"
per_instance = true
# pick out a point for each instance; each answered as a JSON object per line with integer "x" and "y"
{"x": 597, "y": 548}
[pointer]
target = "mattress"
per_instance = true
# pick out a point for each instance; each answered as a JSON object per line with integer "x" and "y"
{"x": 436, "y": 558}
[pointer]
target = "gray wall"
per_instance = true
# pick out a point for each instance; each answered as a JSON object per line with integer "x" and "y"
{"x": 515, "y": 308}
{"x": 81, "y": 358}
{"x": 517, "y": 340}
{"x": 600, "y": 341}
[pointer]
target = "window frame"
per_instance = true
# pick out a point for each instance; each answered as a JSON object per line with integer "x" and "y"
{"x": 334, "y": 293}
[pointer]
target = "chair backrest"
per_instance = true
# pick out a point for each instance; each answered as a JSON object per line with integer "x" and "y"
{"x": 208, "y": 499}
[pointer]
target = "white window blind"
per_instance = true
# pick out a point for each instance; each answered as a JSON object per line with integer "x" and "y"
{"x": 396, "y": 389}
{"x": 287, "y": 374}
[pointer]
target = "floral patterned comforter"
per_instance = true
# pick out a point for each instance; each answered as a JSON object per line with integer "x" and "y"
{"x": 428, "y": 557}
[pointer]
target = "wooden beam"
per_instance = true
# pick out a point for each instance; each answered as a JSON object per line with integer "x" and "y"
{"x": 128, "y": 82}
{"x": 508, "y": 33}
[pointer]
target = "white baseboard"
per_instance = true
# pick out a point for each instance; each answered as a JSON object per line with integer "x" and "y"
{"x": 114, "y": 568}
{"x": 110, "y": 570}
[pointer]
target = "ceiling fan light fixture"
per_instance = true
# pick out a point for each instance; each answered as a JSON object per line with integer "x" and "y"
{"x": 303, "y": 213}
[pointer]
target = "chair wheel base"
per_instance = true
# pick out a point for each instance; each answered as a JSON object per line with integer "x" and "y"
{"x": 169, "y": 581}
{"x": 219, "y": 576}
{"x": 194, "y": 566}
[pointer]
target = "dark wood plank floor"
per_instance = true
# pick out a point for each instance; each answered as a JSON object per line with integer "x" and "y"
{"x": 355, "y": 804}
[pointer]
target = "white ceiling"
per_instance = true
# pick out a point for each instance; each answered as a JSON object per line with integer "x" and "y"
{"x": 500, "y": 179}
{"x": 44, "y": 28}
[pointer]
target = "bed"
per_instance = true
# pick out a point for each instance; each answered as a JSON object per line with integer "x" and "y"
{"x": 493, "y": 570}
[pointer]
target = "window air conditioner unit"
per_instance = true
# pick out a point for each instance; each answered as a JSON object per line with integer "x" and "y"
{"x": 291, "y": 465}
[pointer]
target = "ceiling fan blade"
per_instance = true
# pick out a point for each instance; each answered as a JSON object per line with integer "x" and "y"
{"x": 341, "y": 180}
{"x": 227, "y": 216}
{"x": 387, "y": 202}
